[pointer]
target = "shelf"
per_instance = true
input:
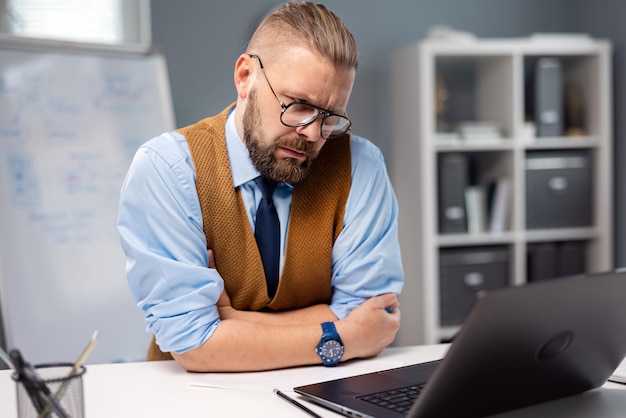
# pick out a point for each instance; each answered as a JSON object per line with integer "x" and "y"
{"x": 562, "y": 142}
{"x": 484, "y": 90}
{"x": 460, "y": 240}
{"x": 561, "y": 234}
{"x": 463, "y": 145}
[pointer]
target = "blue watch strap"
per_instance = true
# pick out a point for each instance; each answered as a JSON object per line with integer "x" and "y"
{"x": 329, "y": 331}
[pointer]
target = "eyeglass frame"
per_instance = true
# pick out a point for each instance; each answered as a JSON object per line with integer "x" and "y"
{"x": 321, "y": 111}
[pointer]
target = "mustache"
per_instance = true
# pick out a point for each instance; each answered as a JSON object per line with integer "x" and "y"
{"x": 298, "y": 144}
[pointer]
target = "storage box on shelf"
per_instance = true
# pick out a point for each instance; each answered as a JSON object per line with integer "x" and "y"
{"x": 481, "y": 123}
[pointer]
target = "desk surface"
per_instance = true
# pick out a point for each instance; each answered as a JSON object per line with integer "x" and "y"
{"x": 163, "y": 389}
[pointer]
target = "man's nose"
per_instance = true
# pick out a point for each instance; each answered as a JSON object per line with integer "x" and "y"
{"x": 312, "y": 131}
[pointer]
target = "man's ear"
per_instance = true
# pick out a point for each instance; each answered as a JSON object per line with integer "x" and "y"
{"x": 243, "y": 75}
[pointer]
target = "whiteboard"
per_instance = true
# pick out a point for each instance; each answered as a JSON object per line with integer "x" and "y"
{"x": 70, "y": 122}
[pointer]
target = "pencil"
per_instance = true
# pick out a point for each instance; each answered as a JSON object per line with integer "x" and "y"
{"x": 75, "y": 368}
{"x": 296, "y": 403}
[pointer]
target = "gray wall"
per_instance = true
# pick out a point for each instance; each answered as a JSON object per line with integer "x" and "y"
{"x": 605, "y": 19}
{"x": 202, "y": 39}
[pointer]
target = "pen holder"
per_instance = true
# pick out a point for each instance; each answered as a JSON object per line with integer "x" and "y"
{"x": 66, "y": 388}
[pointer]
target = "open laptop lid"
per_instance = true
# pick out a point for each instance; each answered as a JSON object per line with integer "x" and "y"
{"x": 519, "y": 346}
{"x": 526, "y": 345}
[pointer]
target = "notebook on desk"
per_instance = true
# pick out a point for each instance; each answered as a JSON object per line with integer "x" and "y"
{"x": 519, "y": 346}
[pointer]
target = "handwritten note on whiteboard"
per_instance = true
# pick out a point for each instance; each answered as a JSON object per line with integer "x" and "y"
{"x": 70, "y": 123}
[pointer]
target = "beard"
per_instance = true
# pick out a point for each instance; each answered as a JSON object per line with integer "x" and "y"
{"x": 262, "y": 152}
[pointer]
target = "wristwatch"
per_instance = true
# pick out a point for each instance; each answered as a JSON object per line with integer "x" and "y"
{"x": 330, "y": 348}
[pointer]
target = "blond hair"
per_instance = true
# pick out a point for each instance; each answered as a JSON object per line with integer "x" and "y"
{"x": 308, "y": 24}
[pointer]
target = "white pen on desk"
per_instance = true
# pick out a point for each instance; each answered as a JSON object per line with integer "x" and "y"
{"x": 296, "y": 403}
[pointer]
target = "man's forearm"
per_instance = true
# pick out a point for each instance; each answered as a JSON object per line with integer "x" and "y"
{"x": 311, "y": 315}
{"x": 247, "y": 345}
{"x": 241, "y": 345}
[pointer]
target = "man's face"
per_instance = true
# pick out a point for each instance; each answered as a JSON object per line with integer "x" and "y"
{"x": 279, "y": 152}
{"x": 289, "y": 169}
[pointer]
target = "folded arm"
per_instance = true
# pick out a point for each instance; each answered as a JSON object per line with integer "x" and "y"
{"x": 248, "y": 340}
{"x": 262, "y": 341}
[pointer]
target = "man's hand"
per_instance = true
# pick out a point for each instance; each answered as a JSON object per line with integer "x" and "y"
{"x": 371, "y": 327}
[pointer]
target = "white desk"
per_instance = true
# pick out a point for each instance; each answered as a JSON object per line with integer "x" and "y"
{"x": 162, "y": 389}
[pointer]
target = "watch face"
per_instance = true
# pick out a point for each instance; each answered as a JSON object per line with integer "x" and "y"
{"x": 332, "y": 350}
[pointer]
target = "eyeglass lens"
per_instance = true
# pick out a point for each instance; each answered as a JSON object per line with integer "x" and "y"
{"x": 300, "y": 114}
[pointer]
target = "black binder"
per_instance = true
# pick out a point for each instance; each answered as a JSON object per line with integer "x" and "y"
{"x": 453, "y": 179}
{"x": 549, "y": 97}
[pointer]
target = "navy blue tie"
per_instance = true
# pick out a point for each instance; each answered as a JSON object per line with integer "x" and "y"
{"x": 267, "y": 234}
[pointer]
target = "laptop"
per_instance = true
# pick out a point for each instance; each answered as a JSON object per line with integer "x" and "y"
{"x": 518, "y": 346}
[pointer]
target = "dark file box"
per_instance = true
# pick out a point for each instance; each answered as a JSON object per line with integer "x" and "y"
{"x": 541, "y": 262}
{"x": 558, "y": 189}
{"x": 453, "y": 169}
{"x": 549, "y": 260}
{"x": 572, "y": 258}
{"x": 465, "y": 271}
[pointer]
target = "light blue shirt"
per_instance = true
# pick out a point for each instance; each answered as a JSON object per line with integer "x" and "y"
{"x": 160, "y": 226}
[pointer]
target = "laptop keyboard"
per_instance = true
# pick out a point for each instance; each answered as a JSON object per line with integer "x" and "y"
{"x": 398, "y": 400}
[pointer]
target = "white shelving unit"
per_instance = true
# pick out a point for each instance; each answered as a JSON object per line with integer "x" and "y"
{"x": 488, "y": 81}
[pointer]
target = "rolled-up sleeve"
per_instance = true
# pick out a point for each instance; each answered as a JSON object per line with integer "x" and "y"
{"x": 160, "y": 227}
{"x": 366, "y": 255}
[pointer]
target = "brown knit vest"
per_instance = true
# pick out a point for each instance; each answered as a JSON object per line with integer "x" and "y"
{"x": 315, "y": 221}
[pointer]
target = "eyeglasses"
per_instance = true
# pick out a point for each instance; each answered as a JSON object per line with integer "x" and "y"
{"x": 299, "y": 113}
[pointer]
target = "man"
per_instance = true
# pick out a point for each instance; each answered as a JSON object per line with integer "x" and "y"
{"x": 214, "y": 293}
